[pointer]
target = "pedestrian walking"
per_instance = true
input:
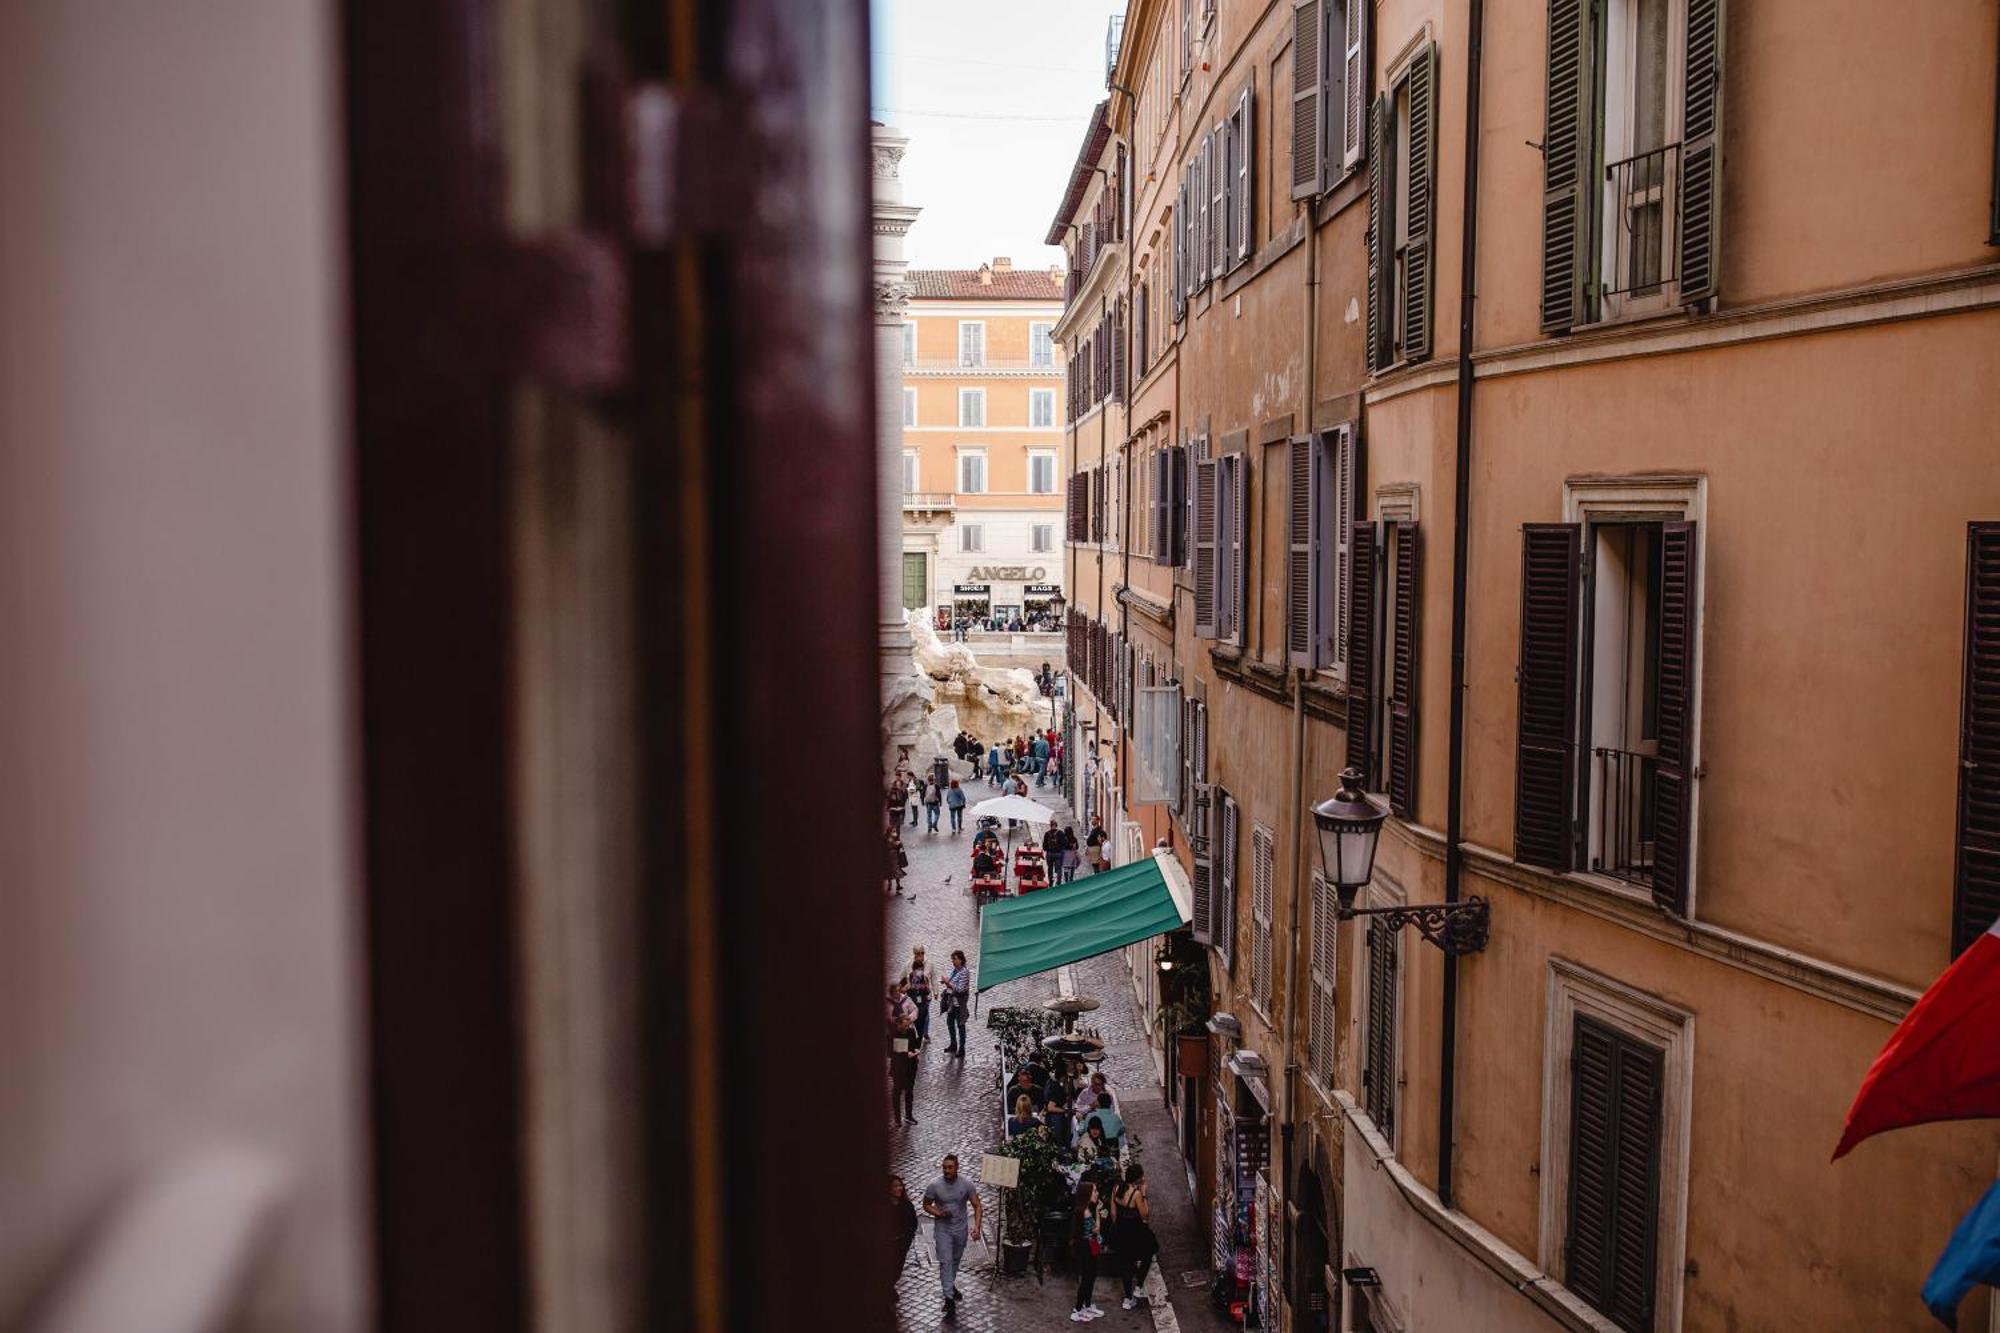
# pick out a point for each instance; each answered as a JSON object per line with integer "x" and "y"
{"x": 953, "y": 1001}
{"x": 913, "y": 798}
{"x": 948, "y": 1199}
{"x": 1099, "y": 843}
{"x": 1086, "y": 1237}
{"x": 896, "y": 861}
{"x": 903, "y": 1211}
{"x": 993, "y": 765}
{"x": 933, "y": 805}
{"x": 954, "y": 800}
{"x": 975, "y": 756}
{"x": 1072, "y": 856}
{"x": 917, "y": 989}
{"x": 1133, "y": 1244}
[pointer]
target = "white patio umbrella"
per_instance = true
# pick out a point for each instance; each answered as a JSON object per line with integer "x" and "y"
{"x": 1014, "y": 807}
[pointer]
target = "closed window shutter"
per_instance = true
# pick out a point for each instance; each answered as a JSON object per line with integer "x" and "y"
{"x": 1204, "y": 548}
{"x": 1340, "y": 492}
{"x": 1319, "y": 1019}
{"x": 1360, "y": 599}
{"x": 1545, "y": 749}
{"x": 1976, "y": 894}
{"x": 1246, "y": 239}
{"x": 1378, "y": 235}
{"x": 1263, "y": 857}
{"x": 1181, "y": 500}
{"x": 1225, "y": 878}
{"x": 1218, "y": 189}
{"x": 1418, "y": 195}
{"x": 1302, "y": 520}
{"x": 1239, "y": 556}
{"x": 1204, "y": 868}
{"x": 1566, "y": 165}
{"x": 1178, "y": 297}
{"x": 1403, "y": 640}
{"x": 1118, "y": 351}
{"x": 1157, "y": 508}
{"x": 1378, "y": 1074}
{"x": 1701, "y": 152}
{"x": 1199, "y": 241}
{"x": 1354, "y": 83}
{"x": 1673, "y": 771}
{"x": 1611, "y": 1255}
{"x": 1306, "y": 116}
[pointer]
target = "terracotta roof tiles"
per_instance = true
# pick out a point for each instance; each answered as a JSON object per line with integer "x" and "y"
{"x": 967, "y": 284}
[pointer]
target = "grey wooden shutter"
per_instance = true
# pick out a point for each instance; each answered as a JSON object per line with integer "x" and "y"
{"x": 1975, "y": 903}
{"x": 1241, "y": 551}
{"x": 1673, "y": 770}
{"x": 1202, "y": 222}
{"x": 1319, "y": 1012}
{"x": 1204, "y": 548}
{"x": 1204, "y": 870}
{"x": 1225, "y": 878}
{"x": 1701, "y": 153}
{"x": 1246, "y": 138}
{"x": 1402, "y": 662}
{"x": 1360, "y": 580}
{"x": 1118, "y": 350}
{"x": 1567, "y": 164}
{"x": 1378, "y": 1073}
{"x": 1307, "y": 116}
{"x": 1179, "y": 297}
{"x": 1341, "y": 497}
{"x": 1545, "y": 748}
{"x": 1354, "y": 82}
{"x": 1379, "y": 353}
{"x": 1611, "y": 1258}
{"x": 1302, "y": 522}
{"x": 1418, "y": 196}
{"x": 1218, "y": 189}
{"x": 1158, "y": 513}
{"x": 1178, "y": 555}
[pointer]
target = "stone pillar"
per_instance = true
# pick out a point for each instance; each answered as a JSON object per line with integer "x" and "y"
{"x": 892, "y": 222}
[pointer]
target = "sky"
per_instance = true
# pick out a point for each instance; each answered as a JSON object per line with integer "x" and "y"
{"x": 995, "y": 96}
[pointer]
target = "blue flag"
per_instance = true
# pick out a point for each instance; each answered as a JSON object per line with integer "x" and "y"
{"x": 1970, "y": 1257}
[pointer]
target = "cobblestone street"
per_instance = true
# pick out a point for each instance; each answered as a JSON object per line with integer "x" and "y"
{"x": 957, "y": 1105}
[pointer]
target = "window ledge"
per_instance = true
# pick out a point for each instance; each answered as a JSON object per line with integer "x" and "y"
{"x": 1348, "y": 190}
{"x": 1508, "y": 1263}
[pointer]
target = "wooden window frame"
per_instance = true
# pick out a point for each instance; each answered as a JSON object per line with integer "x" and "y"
{"x": 1574, "y": 990}
{"x": 978, "y": 396}
{"x": 963, "y": 325}
{"x": 959, "y": 457}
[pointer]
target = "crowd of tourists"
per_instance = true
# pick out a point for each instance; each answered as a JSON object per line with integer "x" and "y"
{"x": 1038, "y": 752}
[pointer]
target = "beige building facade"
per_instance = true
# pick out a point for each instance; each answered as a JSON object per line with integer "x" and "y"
{"x": 1691, "y": 532}
{"x": 981, "y": 462}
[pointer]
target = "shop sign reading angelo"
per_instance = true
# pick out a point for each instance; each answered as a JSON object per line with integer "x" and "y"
{"x": 988, "y": 573}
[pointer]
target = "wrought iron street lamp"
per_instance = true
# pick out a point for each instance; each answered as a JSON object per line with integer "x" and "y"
{"x": 1349, "y": 827}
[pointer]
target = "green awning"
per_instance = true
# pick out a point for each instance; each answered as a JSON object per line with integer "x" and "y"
{"x": 1019, "y": 937}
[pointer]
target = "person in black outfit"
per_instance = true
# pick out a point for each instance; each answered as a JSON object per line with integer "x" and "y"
{"x": 1132, "y": 1239}
{"x": 1086, "y": 1238}
{"x": 904, "y": 1213}
{"x": 1024, "y": 1085}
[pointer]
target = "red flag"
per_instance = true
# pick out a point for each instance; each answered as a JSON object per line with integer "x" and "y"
{"x": 1943, "y": 1061}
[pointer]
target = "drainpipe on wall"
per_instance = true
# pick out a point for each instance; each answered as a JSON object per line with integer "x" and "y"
{"x": 1454, "y": 856}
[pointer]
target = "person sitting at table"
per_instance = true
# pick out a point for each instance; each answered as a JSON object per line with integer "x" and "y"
{"x": 986, "y": 838}
{"x": 1096, "y": 1152}
{"x": 983, "y": 864}
{"x": 1024, "y": 1085}
{"x": 1023, "y": 1120}
{"x": 1055, "y": 1109}
{"x": 1107, "y": 1122}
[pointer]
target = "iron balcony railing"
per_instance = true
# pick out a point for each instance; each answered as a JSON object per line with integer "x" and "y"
{"x": 1114, "y": 37}
{"x": 1644, "y": 196}
{"x": 1624, "y": 814}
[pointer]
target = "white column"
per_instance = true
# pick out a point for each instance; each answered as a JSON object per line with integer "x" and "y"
{"x": 892, "y": 220}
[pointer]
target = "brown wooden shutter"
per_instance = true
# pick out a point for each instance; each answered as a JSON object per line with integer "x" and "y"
{"x": 1403, "y": 640}
{"x": 1199, "y": 242}
{"x": 1378, "y": 1073}
{"x": 1701, "y": 152}
{"x": 1340, "y": 497}
{"x": 1673, "y": 771}
{"x": 1178, "y": 298}
{"x": 1204, "y": 548}
{"x": 1418, "y": 194}
{"x": 1378, "y": 235}
{"x": 1611, "y": 1257}
{"x": 1157, "y": 511}
{"x": 1360, "y": 580}
{"x": 1354, "y": 82}
{"x": 1975, "y": 901}
{"x": 1306, "y": 114}
{"x": 1204, "y": 870}
{"x": 1118, "y": 350}
{"x": 1219, "y": 191}
{"x": 1319, "y": 1009}
{"x": 1225, "y": 877}
{"x": 1567, "y": 164}
{"x": 1178, "y": 502}
{"x": 1302, "y": 521}
{"x": 1545, "y": 749}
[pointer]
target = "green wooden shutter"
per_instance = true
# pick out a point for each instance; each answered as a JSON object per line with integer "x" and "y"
{"x": 1360, "y": 596}
{"x": 1701, "y": 153}
{"x": 1378, "y": 1074}
{"x": 1418, "y": 197}
{"x": 1224, "y": 811}
{"x": 1402, "y": 673}
{"x": 1567, "y": 166}
{"x": 1545, "y": 748}
{"x": 1378, "y": 235}
{"x": 1975, "y": 903}
{"x": 1673, "y": 772}
{"x": 1204, "y": 548}
{"x": 1300, "y": 527}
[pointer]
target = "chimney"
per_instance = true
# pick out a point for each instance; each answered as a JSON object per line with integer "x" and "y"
{"x": 1002, "y": 264}
{"x": 985, "y": 275}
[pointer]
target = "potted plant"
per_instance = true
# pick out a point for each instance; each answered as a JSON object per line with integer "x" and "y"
{"x": 1041, "y": 1186}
